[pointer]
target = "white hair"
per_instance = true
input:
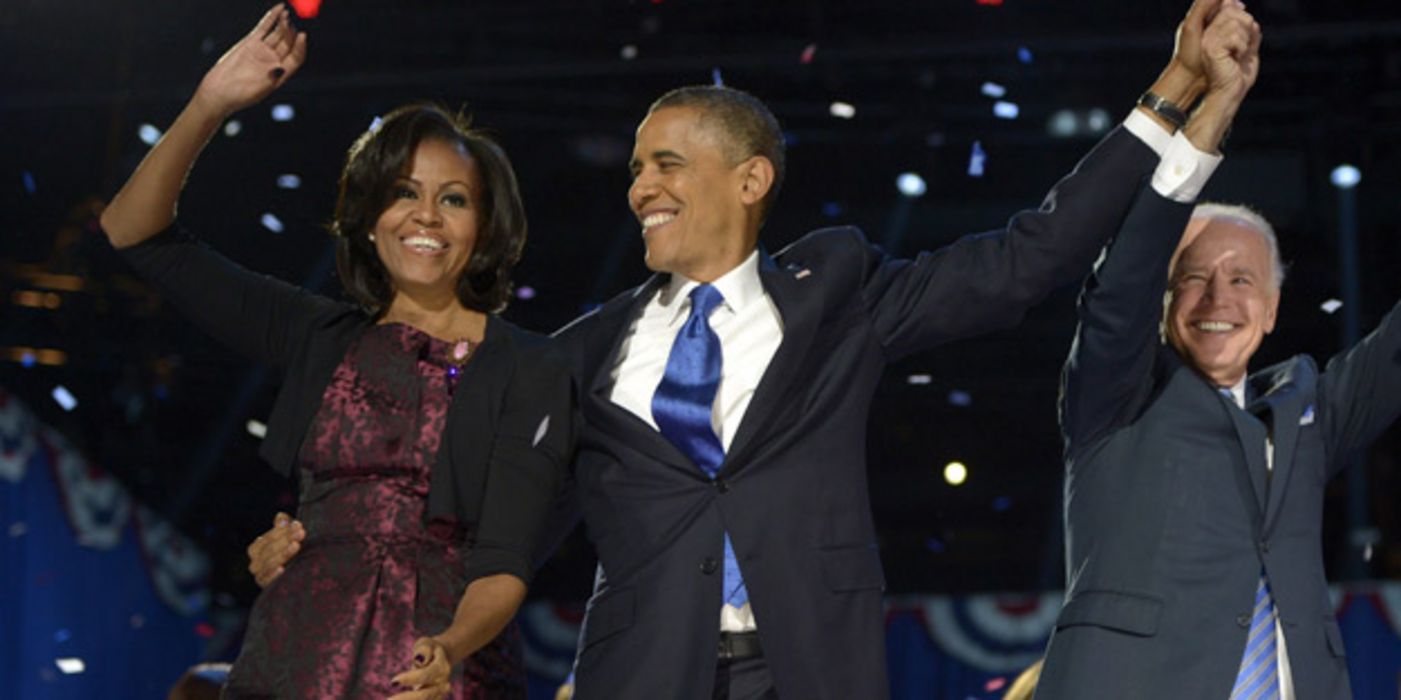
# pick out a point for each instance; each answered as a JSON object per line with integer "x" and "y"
{"x": 1244, "y": 215}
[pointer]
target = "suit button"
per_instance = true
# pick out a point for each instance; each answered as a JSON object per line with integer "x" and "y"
{"x": 722, "y": 486}
{"x": 709, "y": 566}
{"x": 1243, "y": 620}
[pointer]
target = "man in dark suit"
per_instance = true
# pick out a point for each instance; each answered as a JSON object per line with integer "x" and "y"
{"x": 1193, "y": 492}
{"x": 721, "y": 473}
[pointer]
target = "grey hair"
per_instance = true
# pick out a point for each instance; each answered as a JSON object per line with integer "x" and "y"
{"x": 1244, "y": 215}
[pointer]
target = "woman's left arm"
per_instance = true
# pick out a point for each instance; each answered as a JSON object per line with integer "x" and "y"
{"x": 488, "y": 604}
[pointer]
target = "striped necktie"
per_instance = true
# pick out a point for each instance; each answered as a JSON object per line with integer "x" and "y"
{"x": 682, "y": 406}
{"x": 1258, "y": 678}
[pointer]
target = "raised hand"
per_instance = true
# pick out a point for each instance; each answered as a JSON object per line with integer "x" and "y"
{"x": 431, "y": 675}
{"x": 1230, "y": 50}
{"x": 1187, "y": 48}
{"x": 259, "y": 63}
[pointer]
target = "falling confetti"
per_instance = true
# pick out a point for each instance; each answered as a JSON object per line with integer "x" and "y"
{"x": 1331, "y": 306}
{"x": 842, "y": 110}
{"x": 977, "y": 160}
{"x": 715, "y": 78}
{"x": 809, "y": 52}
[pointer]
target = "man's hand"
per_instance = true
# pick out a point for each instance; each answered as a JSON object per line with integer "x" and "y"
{"x": 270, "y": 552}
{"x": 431, "y": 675}
{"x": 1231, "y": 57}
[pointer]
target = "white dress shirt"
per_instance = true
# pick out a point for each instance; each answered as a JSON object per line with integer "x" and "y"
{"x": 1286, "y": 678}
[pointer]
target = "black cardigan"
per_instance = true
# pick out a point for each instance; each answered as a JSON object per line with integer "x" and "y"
{"x": 510, "y": 428}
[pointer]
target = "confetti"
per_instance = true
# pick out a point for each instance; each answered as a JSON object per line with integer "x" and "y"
{"x": 289, "y": 181}
{"x": 960, "y": 398}
{"x": 257, "y": 428}
{"x": 525, "y": 291}
{"x": 919, "y": 379}
{"x": 993, "y": 90}
{"x": 1024, "y": 55}
{"x": 65, "y": 398}
{"x": 715, "y": 78}
{"x": 1005, "y": 110}
{"x": 283, "y": 112}
{"x": 809, "y": 52}
{"x": 28, "y": 179}
{"x": 842, "y": 110}
{"x": 148, "y": 134}
{"x": 233, "y": 127}
{"x": 271, "y": 222}
{"x": 70, "y": 665}
{"x": 18, "y": 529}
{"x": 977, "y": 160}
{"x": 995, "y": 684}
{"x": 628, "y": 52}
{"x": 1331, "y": 306}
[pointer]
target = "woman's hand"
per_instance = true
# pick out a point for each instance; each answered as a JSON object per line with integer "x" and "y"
{"x": 430, "y": 678}
{"x": 258, "y": 64}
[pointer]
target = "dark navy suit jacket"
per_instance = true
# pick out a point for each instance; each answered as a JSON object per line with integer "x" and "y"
{"x": 792, "y": 490}
{"x": 1170, "y": 511}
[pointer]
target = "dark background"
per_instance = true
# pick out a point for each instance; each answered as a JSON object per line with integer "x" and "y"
{"x": 165, "y": 409}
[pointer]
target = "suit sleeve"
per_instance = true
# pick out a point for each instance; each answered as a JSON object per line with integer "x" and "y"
{"x": 1360, "y": 391}
{"x": 1108, "y": 374}
{"x": 256, "y": 315}
{"x": 534, "y": 442}
{"x": 988, "y": 281}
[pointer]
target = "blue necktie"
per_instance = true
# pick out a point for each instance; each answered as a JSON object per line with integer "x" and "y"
{"x": 1258, "y": 677}
{"x": 683, "y": 402}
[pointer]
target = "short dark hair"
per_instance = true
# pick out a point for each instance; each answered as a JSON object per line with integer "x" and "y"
{"x": 748, "y": 126}
{"x": 373, "y": 165}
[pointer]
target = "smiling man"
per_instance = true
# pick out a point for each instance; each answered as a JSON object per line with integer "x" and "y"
{"x": 1194, "y": 492}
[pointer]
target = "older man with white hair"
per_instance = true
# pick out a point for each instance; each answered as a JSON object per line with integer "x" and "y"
{"x": 1193, "y": 489}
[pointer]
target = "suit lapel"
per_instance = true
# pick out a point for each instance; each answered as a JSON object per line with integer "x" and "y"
{"x": 796, "y": 294}
{"x": 1251, "y": 434}
{"x": 1284, "y": 393}
{"x": 601, "y": 413}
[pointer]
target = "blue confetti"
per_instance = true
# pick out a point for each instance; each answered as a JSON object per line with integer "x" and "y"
{"x": 29, "y": 182}
{"x": 715, "y": 77}
{"x": 977, "y": 160}
{"x": 1024, "y": 55}
{"x": 1001, "y": 504}
{"x": 62, "y": 636}
{"x": 832, "y": 210}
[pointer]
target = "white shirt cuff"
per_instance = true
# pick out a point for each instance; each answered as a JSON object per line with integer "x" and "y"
{"x": 1148, "y": 131}
{"x": 1184, "y": 170}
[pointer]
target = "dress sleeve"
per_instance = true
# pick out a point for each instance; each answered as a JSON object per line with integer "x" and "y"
{"x": 256, "y": 315}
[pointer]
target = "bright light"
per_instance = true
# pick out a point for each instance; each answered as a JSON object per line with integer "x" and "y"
{"x": 1063, "y": 124}
{"x": 233, "y": 127}
{"x": 257, "y": 428}
{"x": 1005, "y": 110}
{"x": 1098, "y": 120}
{"x": 283, "y": 113}
{"x": 65, "y": 398}
{"x": 919, "y": 379}
{"x": 149, "y": 134}
{"x": 955, "y": 473}
{"x": 70, "y": 665}
{"x": 1346, "y": 177}
{"x": 289, "y": 181}
{"x": 842, "y": 110}
{"x": 272, "y": 223}
{"x": 911, "y": 185}
{"x": 994, "y": 90}
{"x": 1331, "y": 306}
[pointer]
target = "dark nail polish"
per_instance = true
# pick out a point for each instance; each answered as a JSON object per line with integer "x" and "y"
{"x": 278, "y": 72}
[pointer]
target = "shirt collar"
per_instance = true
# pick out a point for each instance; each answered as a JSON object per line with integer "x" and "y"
{"x": 740, "y": 287}
{"x": 1238, "y": 393}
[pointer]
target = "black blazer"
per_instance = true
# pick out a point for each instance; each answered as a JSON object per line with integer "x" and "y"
{"x": 510, "y": 427}
{"x": 1170, "y": 512}
{"x": 792, "y": 489}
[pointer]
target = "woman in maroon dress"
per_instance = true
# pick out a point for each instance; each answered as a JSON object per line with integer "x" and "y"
{"x": 428, "y": 435}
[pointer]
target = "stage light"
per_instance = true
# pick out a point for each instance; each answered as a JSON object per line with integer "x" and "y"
{"x": 1005, "y": 110}
{"x": 271, "y": 222}
{"x": 1345, "y": 177}
{"x": 1097, "y": 121}
{"x": 993, "y": 90}
{"x": 289, "y": 181}
{"x": 955, "y": 473}
{"x": 911, "y": 185}
{"x": 148, "y": 134}
{"x": 842, "y": 110}
{"x": 919, "y": 379}
{"x": 283, "y": 112}
{"x": 70, "y": 665}
{"x": 232, "y": 128}
{"x": 64, "y": 398}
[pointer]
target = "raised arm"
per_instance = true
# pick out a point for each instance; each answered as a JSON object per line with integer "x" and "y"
{"x": 1108, "y": 374}
{"x": 248, "y": 72}
{"x": 1360, "y": 391}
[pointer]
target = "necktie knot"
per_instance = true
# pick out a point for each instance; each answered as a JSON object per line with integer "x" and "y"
{"x": 704, "y": 299}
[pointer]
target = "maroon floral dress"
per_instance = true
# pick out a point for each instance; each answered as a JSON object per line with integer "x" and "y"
{"x": 371, "y": 577}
